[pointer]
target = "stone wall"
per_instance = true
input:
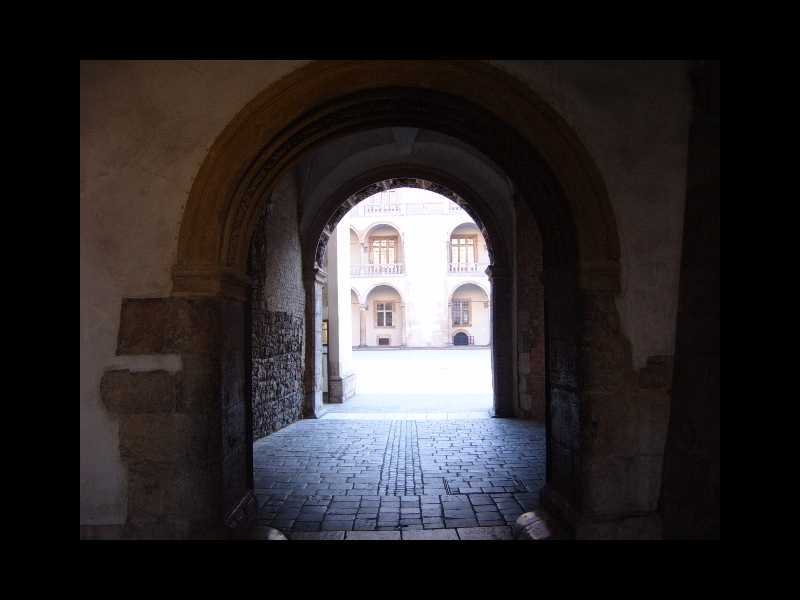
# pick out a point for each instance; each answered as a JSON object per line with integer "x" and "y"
{"x": 276, "y": 311}
{"x": 530, "y": 316}
{"x": 183, "y": 433}
{"x": 690, "y": 500}
{"x": 633, "y": 118}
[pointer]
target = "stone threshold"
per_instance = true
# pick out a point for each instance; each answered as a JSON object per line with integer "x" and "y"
{"x": 453, "y": 534}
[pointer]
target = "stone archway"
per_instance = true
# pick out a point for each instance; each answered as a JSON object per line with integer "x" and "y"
{"x": 205, "y": 321}
{"x": 319, "y": 101}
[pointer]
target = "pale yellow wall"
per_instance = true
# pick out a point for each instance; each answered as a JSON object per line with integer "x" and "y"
{"x": 480, "y": 314}
{"x": 379, "y": 294}
{"x": 145, "y": 128}
{"x": 355, "y": 316}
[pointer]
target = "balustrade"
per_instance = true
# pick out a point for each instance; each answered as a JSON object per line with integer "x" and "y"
{"x": 372, "y": 270}
{"x": 467, "y": 267}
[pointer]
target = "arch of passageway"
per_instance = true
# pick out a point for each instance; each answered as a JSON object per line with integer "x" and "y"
{"x": 480, "y": 105}
{"x": 526, "y": 137}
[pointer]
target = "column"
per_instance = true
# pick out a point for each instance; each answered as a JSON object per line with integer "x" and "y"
{"x": 341, "y": 379}
{"x": 314, "y": 279}
{"x": 364, "y": 257}
{"x": 403, "y": 333}
{"x": 502, "y": 359}
{"x": 362, "y": 330}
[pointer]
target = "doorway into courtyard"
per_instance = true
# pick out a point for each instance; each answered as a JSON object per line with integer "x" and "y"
{"x": 418, "y": 320}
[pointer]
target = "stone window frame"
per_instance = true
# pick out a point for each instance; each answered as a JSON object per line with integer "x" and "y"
{"x": 388, "y": 238}
{"x": 466, "y": 301}
{"x": 391, "y": 312}
{"x": 475, "y": 253}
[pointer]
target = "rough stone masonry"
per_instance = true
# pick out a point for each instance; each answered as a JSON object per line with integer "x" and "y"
{"x": 277, "y": 321}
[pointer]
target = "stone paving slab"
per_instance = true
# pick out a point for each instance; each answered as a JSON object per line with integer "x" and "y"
{"x": 372, "y": 535}
{"x": 486, "y": 533}
{"x": 316, "y": 535}
{"x": 432, "y": 534}
{"x": 325, "y": 477}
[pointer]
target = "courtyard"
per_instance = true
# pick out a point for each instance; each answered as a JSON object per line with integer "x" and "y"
{"x": 422, "y": 384}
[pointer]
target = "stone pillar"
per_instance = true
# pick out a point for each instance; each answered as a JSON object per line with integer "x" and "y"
{"x": 314, "y": 279}
{"x": 362, "y": 330}
{"x": 502, "y": 360}
{"x": 341, "y": 379}
{"x": 364, "y": 256}
{"x": 690, "y": 499}
{"x": 184, "y": 436}
{"x": 403, "y": 332}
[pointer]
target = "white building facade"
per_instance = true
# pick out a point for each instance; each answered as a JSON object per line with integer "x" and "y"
{"x": 417, "y": 272}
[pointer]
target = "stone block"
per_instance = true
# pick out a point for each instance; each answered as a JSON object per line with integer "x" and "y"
{"x": 166, "y": 439}
{"x": 150, "y": 392}
{"x": 169, "y": 325}
{"x": 430, "y": 534}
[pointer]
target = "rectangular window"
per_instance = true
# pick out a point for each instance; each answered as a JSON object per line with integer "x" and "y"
{"x": 383, "y": 341}
{"x": 383, "y": 250}
{"x": 462, "y": 250}
{"x": 325, "y": 332}
{"x": 460, "y": 312}
{"x": 384, "y": 314}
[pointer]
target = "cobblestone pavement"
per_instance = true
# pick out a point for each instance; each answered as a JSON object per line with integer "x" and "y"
{"x": 399, "y": 479}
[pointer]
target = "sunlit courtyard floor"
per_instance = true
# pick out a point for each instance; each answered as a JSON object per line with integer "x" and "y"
{"x": 437, "y": 384}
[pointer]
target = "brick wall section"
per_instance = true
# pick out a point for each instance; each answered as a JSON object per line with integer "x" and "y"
{"x": 530, "y": 317}
{"x": 277, "y": 315}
